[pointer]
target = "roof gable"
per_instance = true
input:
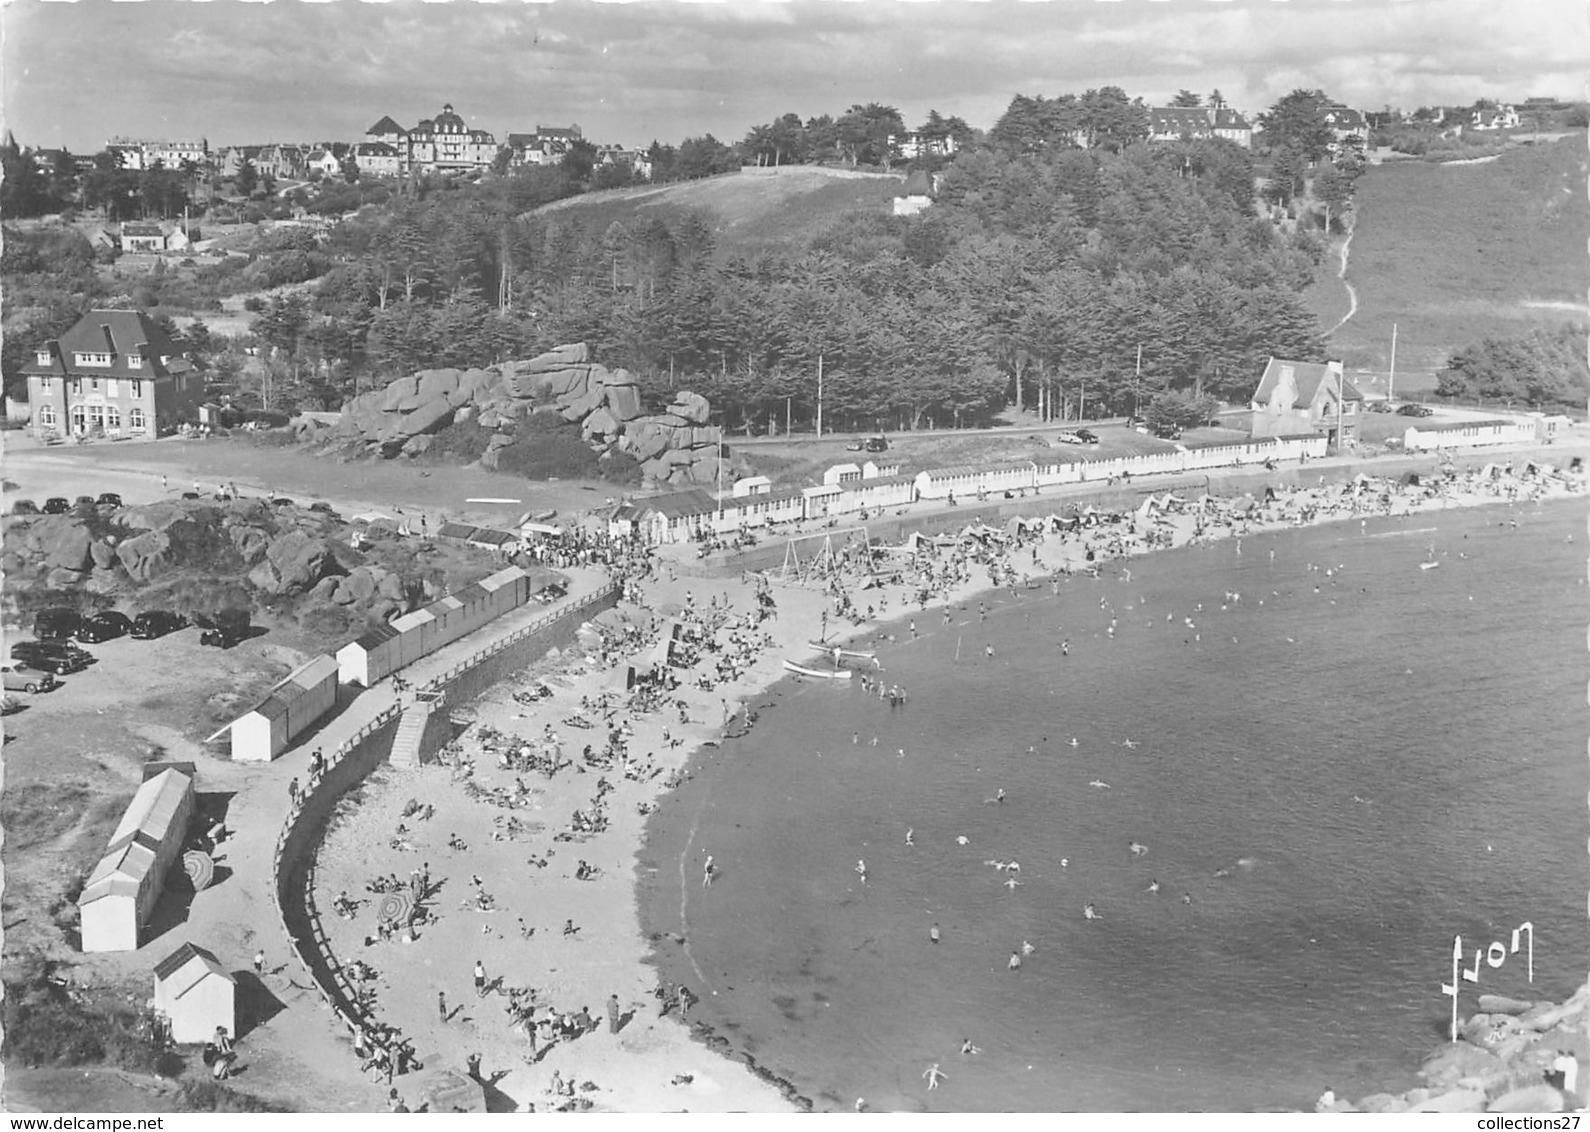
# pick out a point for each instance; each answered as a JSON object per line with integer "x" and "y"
{"x": 385, "y": 126}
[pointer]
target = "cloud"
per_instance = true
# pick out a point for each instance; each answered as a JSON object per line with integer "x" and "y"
{"x": 630, "y": 72}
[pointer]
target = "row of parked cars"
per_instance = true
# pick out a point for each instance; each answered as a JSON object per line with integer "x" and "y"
{"x": 35, "y": 665}
{"x": 60, "y": 505}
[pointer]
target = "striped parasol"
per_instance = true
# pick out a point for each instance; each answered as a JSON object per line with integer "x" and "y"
{"x": 199, "y": 869}
{"x": 394, "y": 909}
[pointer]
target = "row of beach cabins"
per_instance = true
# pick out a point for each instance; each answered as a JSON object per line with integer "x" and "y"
{"x": 852, "y": 489}
{"x": 121, "y": 891}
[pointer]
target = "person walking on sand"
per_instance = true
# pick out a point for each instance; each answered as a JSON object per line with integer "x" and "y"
{"x": 706, "y": 872}
{"x": 259, "y": 961}
{"x": 441, "y": 1005}
{"x": 480, "y": 979}
{"x": 614, "y": 1016}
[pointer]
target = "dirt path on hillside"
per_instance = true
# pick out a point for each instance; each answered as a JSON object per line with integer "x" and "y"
{"x": 1352, "y": 295}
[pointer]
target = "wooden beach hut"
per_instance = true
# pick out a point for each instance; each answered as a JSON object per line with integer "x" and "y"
{"x": 306, "y": 694}
{"x": 195, "y": 993}
{"x": 124, "y": 887}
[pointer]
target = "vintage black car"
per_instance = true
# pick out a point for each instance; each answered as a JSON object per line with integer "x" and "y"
{"x": 154, "y": 623}
{"x": 104, "y": 626}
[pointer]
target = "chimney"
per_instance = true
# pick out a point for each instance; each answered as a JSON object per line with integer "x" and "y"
{"x": 110, "y": 341}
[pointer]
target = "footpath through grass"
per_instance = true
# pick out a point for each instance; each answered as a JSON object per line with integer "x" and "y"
{"x": 1455, "y": 253}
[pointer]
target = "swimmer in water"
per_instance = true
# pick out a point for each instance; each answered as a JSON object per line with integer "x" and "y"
{"x": 1090, "y": 913}
{"x": 1153, "y": 886}
{"x": 1073, "y": 740}
{"x": 1012, "y": 884}
{"x": 1186, "y": 898}
{"x": 861, "y": 871}
{"x": 1137, "y": 848}
{"x": 967, "y": 1047}
{"x": 910, "y": 837}
{"x": 1027, "y": 948}
{"x": 933, "y": 934}
{"x": 962, "y": 839}
{"x": 1014, "y": 963}
{"x": 933, "y": 1074}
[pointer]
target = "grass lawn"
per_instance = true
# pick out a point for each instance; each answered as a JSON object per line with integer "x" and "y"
{"x": 1454, "y": 253}
{"x": 746, "y": 211}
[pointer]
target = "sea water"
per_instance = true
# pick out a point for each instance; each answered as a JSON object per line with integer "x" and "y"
{"x": 1341, "y": 769}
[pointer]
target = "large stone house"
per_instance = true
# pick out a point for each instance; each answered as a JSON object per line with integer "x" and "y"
{"x": 378, "y": 159}
{"x": 1170, "y": 123}
{"x": 446, "y": 144}
{"x": 544, "y": 147}
{"x": 113, "y": 373}
{"x": 1306, "y": 398}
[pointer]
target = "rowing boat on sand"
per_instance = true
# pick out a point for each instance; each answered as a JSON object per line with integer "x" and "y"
{"x": 824, "y": 673}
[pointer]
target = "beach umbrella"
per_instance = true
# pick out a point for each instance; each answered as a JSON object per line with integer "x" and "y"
{"x": 199, "y": 868}
{"x": 394, "y": 908}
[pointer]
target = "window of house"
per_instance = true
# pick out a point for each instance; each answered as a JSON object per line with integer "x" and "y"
{"x": 77, "y": 385}
{"x": 44, "y": 357}
{"x": 47, "y": 416}
{"x": 110, "y": 387}
{"x": 137, "y": 387}
{"x": 45, "y": 384}
{"x": 93, "y": 384}
{"x": 112, "y": 418}
{"x": 135, "y": 361}
{"x": 79, "y": 417}
{"x": 92, "y": 359}
{"x": 136, "y": 420}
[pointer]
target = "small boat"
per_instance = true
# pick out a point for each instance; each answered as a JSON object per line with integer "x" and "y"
{"x": 1428, "y": 565}
{"x": 831, "y": 649}
{"x": 824, "y": 673}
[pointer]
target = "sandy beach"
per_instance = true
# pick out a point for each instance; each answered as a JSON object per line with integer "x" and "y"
{"x": 533, "y": 842}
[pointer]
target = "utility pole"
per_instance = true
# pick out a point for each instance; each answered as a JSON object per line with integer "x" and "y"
{"x": 1391, "y": 379}
{"x": 819, "y": 396}
{"x": 1137, "y": 378}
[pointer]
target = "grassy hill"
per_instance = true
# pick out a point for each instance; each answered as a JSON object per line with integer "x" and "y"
{"x": 748, "y": 211}
{"x": 1453, "y": 253}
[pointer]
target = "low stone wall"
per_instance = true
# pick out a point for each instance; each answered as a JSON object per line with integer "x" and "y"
{"x": 293, "y": 863}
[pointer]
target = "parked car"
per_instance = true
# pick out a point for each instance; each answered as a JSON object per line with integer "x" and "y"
{"x": 1087, "y": 436}
{"x": 1167, "y": 432}
{"x": 56, "y": 624}
{"x": 52, "y": 656}
{"x": 109, "y": 499}
{"x": 1412, "y": 410}
{"x": 83, "y": 501}
{"x": 19, "y": 677}
{"x": 223, "y": 637}
{"x": 876, "y": 444}
{"x": 57, "y": 505}
{"x": 1379, "y": 407}
{"x": 154, "y": 623}
{"x": 104, "y": 626}
{"x": 24, "y": 507}
{"x": 1069, "y": 437}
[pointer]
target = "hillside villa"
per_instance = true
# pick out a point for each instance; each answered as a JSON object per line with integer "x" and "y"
{"x": 1171, "y": 123}
{"x": 114, "y": 373}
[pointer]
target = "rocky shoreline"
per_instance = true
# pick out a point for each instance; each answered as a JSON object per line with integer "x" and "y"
{"x": 1512, "y": 1056}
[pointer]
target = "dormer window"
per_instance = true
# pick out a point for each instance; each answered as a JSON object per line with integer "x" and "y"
{"x": 135, "y": 361}
{"x": 43, "y": 357}
{"x": 93, "y": 359}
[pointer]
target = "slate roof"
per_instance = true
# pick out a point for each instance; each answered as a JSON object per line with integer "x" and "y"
{"x": 1307, "y": 377}
{"x": 120, "y": 333}
{"x": 385, "y": 126}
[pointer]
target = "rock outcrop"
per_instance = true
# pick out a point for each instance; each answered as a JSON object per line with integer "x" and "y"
{"x": 1513, "y": 1056}
{"x": 673, "y": 446}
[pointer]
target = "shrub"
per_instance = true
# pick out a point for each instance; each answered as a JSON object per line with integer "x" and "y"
{"x": 200, "y": 1095}
{"x": 462, "y": 442}
{"x": 539, "y": 456}
{"x": 254, "y": 304}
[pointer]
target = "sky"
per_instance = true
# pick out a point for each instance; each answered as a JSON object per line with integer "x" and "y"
{"x": 246, "y": 72}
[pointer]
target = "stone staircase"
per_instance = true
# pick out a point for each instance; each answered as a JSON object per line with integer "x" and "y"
{"x": 410, "y": 735}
